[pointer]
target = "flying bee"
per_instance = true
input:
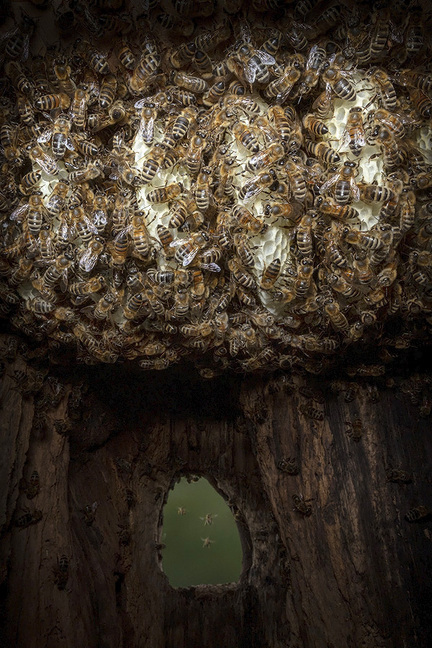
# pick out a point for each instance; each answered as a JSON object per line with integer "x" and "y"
{"x": 208, "y": 519}
{"x": 194, "y": 152}
{"x": 194, "y": 84}
{"x": 323, "y": 105}
{"x": 187, "y": 249}
{"x": 207, "y": 542}
{"x": 345, "y": 185}
{"x": 339, "y": 83}
{"x": 385, "y": 88}
{"x": 354, "y": 132}
{"x": 165, "y": 194}
{"x": 270, "y": 274}
{"x": 280, "y": 88}
{"x": 59, "y": 136}
{"x": 38, "y": 156}
{"x": 258, "y": 183}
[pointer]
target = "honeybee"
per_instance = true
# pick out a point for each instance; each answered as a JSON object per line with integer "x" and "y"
{"x": 29, "y": 181}
{"x": 240, "y": 275}
{"x": 38, "y": 156}
{"x": 322, "y": 150}
{"x": 345, "y": 185}
{"x": 194, "y": 153}
{"x": 339, "y": 83}
{"x": 59, "y": 136}
{"x": 207, "y": 542}
{"x": 25, "y": 520}
{"x": 52, "y": 101}
{"x": 296, "y": 179}
{"x": 140, "y": 236}
{"x": 147, "y": 121}
{"x": 301, "y": 505}
{"x": 250, "y": 64}
{"x": 354, "y": 132}
{"x": 280, "y": 88}
{"x": 165, "y": 194}
{"x": 244, "y": 136}
{"x": 265, "y": 158}
{"x": 354, "y": 429}
{"x": 270, "y": 274}
{"x": 340, "y": 212}
{"x": 337, "y": 318}
{"x": 89, "y": 172}
{"x": 385, "y": 88}
{"x": 153, "y": 162}
{"x": 391, "y": 121}
{"x": 166, "y": 239}
{"x": 78, "y": 108}
{"x": 189, "y": 82}
{"x": 187, "y": 249}
{"x": 90, "y": 256}
{"x": 258, "y": 183}
{"x": 314, "y": 125}
{"x": 244, "y": 218}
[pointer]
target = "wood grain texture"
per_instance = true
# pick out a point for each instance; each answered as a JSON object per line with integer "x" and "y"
{"x": 353, "y": 573}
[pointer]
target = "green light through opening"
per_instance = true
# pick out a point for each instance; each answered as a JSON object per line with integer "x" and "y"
{"x": 201, "y": 537}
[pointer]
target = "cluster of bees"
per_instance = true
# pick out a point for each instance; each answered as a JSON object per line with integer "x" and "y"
{"x": 244, "y": 187}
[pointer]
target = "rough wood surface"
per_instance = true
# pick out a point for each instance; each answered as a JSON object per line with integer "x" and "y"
{"x": 354, "y": 572}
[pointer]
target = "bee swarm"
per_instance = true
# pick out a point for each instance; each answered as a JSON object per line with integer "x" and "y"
{"x": 252, "y": 195}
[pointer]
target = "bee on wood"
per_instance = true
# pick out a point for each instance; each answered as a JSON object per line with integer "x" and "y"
{"x": 398, "y": 476}
{"x": 32, "y": 486}
{"x": 89, "y": 511}
{"x": 301, "y": 505}
{"x": 61, "y": 572}
{"x": 27, "y": 519}
{"x": 288, "y": 465}
{"x": 417, "y": 514}
{"x": 354, "y": 429}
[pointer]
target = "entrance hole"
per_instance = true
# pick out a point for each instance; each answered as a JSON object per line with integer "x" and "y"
{"x": 201, "y": 538}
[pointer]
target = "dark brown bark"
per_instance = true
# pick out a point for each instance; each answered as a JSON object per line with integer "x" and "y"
{"x": 353, "y": 573}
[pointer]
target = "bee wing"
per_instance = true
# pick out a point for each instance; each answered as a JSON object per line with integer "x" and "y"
{"x": 45, "y": 136}
{"x": 177, "y": 243}
{"x": 141, "y": 102}
{"x": 355, "y": 190}
{"x": 190, "y": 257}
{"x": 329, "y": 183}
{"x": 146, "y": 130}
{"x": 253, "y": 191}
{"x": 99, "y": 217}
{"x": 19, "y": 211}
{"x": 92, "y": 227}
{"x": 265, "y": 58}
{"x": 46, "y": 167}
{"x": 250, "y": 71}
{"x": 88, "y": 260}
{"x": 211, "y": 267}
{"x": 70, "y": 144}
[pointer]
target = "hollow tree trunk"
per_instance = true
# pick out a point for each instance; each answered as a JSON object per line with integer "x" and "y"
{"x": 345, "y": 568}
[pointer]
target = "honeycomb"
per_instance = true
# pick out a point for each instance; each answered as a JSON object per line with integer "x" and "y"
{"x": 245, "y": 187}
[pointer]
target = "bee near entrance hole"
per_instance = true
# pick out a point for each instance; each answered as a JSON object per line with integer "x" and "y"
{"x": 200, "y": 540}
